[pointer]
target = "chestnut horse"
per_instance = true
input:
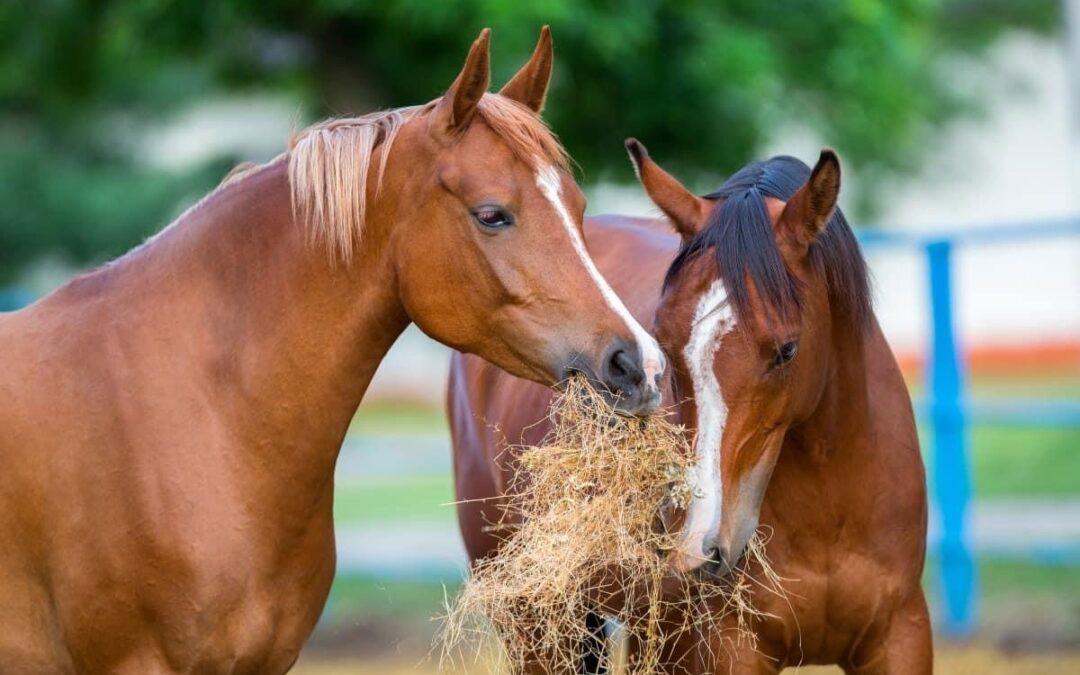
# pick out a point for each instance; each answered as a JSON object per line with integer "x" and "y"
{"x": 800, "y": 421}
{"x": 171, "y": 421}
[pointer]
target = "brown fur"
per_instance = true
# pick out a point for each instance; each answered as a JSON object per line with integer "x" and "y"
{"x": 828, "y": 446}
{"x": 171, "y": 420}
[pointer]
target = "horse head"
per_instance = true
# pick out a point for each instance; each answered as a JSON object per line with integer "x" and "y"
{"x": 750, "y": 314}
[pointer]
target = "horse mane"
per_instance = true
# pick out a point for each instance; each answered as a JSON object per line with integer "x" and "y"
{"x": 740, "y": 232}
{"x": 239, "y": 172}
{"x": 330, "y": 162}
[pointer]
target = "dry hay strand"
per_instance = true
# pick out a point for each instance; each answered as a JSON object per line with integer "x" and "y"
{"x": 590, "y": 540}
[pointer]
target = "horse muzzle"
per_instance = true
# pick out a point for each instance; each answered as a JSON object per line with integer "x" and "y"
{"x": 628, "y": 384}
{"x": 724, "y": 553}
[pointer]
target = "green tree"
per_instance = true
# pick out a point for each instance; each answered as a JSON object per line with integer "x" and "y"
{"x": 703, "y": 82}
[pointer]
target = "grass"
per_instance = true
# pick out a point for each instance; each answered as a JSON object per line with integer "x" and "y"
{"x": 404, "y": 418}
{"x": 998, "y": 578}
{"x": 410, "y": 601}
{"x": 1017, "y": 462}
{"x": 1041, "y": 385}
{"x": 1001, "y": 582}
{"x": 1025, "y": 462}
{"x": 1032, "y": 610}
{"x": 1034, "y": 385}
{"x": 408, "y": 497}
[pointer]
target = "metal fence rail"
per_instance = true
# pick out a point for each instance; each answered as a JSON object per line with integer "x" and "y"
{"x": 949, "y": 407}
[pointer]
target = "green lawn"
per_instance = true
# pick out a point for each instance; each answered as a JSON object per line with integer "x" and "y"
{"x": 409, "y": 497}
{"x": 1025, "y": 462}
{"x": 399, "y": 418}
{"x": 1014, "y": 461}
{"x": 1024, "y": 603}
{"x": 1063, "y": 385}
{"x": 407, "y": 600}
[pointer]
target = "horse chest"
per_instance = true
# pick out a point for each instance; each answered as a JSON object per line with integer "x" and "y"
{"x": 831, "y": 601}
{"x": 189, "y": 597}
{"x": 259, "y": 629}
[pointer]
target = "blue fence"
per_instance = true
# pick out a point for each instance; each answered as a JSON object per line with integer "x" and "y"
{"x": 950, "y": 410}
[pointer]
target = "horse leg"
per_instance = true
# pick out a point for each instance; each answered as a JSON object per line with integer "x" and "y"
{"x": 905, "y": 646}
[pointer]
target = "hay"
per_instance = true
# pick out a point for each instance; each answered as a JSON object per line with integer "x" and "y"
{"x": 591, "y": 540}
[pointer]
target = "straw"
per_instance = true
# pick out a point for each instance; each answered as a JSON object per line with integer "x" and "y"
{"x": 584, "y": 535}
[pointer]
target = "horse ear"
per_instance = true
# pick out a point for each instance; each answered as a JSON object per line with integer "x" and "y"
{"x": 456, "y": 108}
{"x": 808, "y": 211}
{"x": 687, "y": 211}
{"x": 529, "y": 86}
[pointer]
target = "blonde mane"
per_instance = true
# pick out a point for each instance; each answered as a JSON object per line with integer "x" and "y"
{"x": 330, "y": 163}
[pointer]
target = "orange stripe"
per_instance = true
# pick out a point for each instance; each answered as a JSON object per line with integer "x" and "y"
{"x": 1052, "y": 356}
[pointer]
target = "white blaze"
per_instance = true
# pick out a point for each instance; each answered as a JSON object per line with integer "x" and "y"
{"x": 713, "y": 319}
{"x": 652, "y": 359}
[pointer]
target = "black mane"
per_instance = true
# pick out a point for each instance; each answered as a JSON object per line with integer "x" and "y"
{"x": 741, "y": 234}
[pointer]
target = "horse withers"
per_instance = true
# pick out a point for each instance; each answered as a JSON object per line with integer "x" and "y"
{"x": 800, "y": 422}
{"x": 171, "y": 420}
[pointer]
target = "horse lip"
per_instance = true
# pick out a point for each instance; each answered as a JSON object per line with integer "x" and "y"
{"x": 717, "y": 570}
{"x": 631, "y": 406}
{"x": 642, "y": 402}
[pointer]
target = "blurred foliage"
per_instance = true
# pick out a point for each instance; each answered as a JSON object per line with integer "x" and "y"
{"x": 702, "y": 82}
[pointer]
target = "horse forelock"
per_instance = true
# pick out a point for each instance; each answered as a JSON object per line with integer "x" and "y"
{"x": 740, "y": 235}
{"x": 330, "y": 163}
{"x": 524, "y": 132}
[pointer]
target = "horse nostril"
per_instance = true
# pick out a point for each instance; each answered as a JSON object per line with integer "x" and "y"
{"x": 623, "y": 371}
{"x": 621, "y": 366}
{"x": 622, "y": 374}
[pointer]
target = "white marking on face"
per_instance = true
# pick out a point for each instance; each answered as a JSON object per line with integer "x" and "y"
{"x": 713, "y": 319}
{"x": 652, "y": 359}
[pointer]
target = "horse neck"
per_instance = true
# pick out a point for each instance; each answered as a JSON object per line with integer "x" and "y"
{"x": 289, "y": 340}
{"x": 844, "y": 408}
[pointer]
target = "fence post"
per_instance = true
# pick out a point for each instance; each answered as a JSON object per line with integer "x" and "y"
{"x": 948, "y": 398}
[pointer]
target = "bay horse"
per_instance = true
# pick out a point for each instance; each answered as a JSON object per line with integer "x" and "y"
{"x": 799, "y": 419}
{"x": 171, "y": 421}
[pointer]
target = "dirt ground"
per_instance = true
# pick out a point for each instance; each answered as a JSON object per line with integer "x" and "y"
{"x": 970, "y": 660}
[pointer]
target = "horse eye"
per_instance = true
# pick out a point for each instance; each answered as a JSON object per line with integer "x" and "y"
{"x": 786, "y": 353}
{"x": 492, "y": 217}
